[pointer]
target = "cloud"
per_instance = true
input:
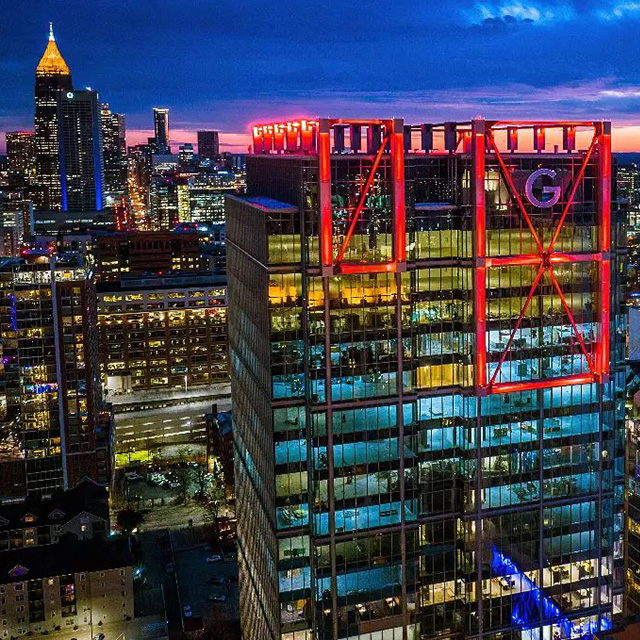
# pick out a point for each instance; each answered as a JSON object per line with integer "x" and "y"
{"x": 501, "y": 15}
{"x": 620, "y": 10}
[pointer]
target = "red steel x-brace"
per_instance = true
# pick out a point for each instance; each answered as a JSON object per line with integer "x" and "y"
{"x": 545, "y": 259}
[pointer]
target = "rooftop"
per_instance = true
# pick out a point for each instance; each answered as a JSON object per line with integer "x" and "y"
{"x": 70, "y": 556}
{"x": 262, "y": 202}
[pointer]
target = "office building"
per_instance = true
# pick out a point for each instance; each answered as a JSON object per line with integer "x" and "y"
{"x": 50, "y": 395}
{"x": 76, "y": 588}
{"x": 52, "y": 78}
{"x": 145, "y": 252}
{"x": 426, "y": 331}
{"x": 162, "y": 139}
{"x": 21, "y": 158}
{"x": 207, "y": 192}
{"x": 186, "y": 157}
{"x": 80, "y": 142}
{"x": 208, "y": 146}
{"x": 114, "y": 152}
{"x": 16, "y": 210}
{"x": 163, "y": 332}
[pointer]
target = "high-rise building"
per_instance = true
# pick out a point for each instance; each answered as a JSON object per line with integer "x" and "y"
{"x": 80, "y": 143}
{"x": 426, "y": 335}
{"x": 52, "y": 78}
{"x": 161, "y": 129}
{"x": 50, "y": 394}
{"x": 21, "y": 158}
{"x": 186, "y": 156}
{"x": 114, "y": 152}
{"x": 208, "y": 145}
{"x": 207, "y": 193}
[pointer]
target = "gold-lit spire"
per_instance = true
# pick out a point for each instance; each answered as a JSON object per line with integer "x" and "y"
{"x": 52, "y": 63}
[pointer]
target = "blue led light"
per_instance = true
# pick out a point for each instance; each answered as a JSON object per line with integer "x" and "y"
{"x": 14, "y": 318}
{"x": 529, "y": 603}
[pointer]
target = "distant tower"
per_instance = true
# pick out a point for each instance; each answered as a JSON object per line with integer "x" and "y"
{"x": 208, "y": 145}
{"x": 52, "y": 78}
{"x": 114, "y": 152}
{"x": 80, "y": 145}
{"x": 161, "y": 128}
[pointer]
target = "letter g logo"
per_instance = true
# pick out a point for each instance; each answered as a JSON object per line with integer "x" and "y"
{"x": 552, "y": 193}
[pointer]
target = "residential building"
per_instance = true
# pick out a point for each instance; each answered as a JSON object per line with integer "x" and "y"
{"x": 79, "y": 588}
{"x": 427, "y": 331}
{"x": 82, "y": 511}
{"x": 51, "y": 395}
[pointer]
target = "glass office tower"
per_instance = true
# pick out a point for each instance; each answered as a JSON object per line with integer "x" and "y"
{"x": 426, "y": 339}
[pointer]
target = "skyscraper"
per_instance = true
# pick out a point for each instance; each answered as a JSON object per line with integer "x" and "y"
{"x": 51, "y": 394}
{"x": 427, "y": 341}
{"x": 21, "y": 158}
{"x": 114, "y": 152}
{"x": 52, "y": 78}
{"x": 208, "y": 145}
{"x": 161, "y": 129}
{"x": 80, "y": 144}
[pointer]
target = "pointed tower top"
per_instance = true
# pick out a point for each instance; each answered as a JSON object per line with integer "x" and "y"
{"x": 52, "y": 63}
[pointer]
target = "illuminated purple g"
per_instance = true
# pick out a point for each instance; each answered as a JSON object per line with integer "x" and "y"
{"x": 554, "y": 191}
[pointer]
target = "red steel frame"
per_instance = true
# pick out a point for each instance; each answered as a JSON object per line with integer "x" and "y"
{"x": 393, "y": 139}
{"x": 545, "y": 258}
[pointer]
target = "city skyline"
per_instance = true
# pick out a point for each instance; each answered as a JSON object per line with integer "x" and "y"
{"x": 235, "y": 66}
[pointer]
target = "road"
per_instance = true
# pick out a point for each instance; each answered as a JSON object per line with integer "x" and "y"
{"x": 195, "y": 577}
{"x": 167, "y": 425}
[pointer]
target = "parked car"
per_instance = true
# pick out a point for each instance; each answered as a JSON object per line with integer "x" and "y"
{"x": 214, "y": 557}
{"x": 217, "y": 597}
{"x": 187, "y": 611}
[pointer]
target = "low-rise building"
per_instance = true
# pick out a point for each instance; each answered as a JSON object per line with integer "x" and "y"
{"x": 82, "y": 584}
{"x": 82, "y": 511}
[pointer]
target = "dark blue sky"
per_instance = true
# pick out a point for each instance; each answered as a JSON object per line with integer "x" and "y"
{"x": 224, "y": 64}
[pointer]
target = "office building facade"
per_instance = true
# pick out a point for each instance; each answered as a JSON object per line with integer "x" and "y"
{"x": 163, "y": 332}
{"x": 52, "y": 78}
{"x": 80, "y": 144}
{"x": 162, "y": 138}
{"x": 51, "y": 394}
{"x": 114, "y": 152}
{"x": 21, "y": 160}
{"x": 208, "y": 145}
{"x": 426, "y": 342}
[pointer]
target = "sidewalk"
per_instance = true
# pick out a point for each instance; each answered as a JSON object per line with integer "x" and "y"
{"x": 147, "y": 628}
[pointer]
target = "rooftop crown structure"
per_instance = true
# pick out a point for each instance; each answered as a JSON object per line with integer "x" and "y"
{"x": 52, "y": 62}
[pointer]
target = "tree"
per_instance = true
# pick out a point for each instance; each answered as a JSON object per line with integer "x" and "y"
{"x": 128, "y": 519}
{"x": 201, "y": 479}
{"x": 212, "y": 499}
{"x": 183, "y": 473}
